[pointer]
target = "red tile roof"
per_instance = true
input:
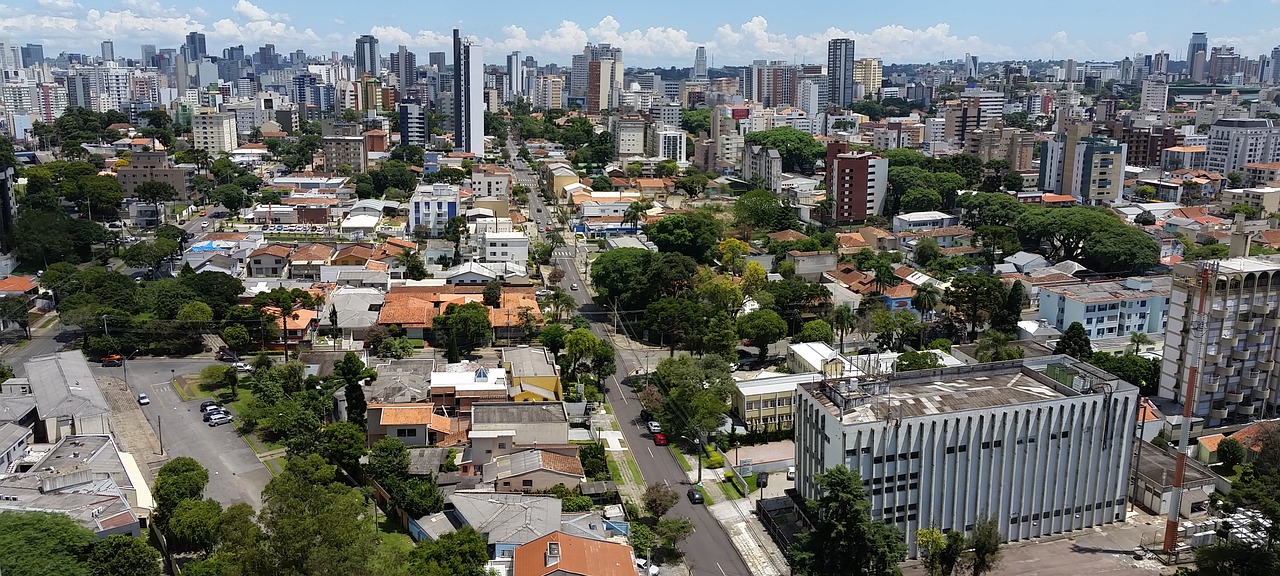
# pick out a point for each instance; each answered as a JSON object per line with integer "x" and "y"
{"x": 578, "y": 557}
{"x": 787, "y": 236}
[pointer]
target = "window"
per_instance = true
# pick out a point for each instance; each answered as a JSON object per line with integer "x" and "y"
{"x": 502, "y": 445}
{"x": 406, "y": 432}
{"x": 527, "y": 483}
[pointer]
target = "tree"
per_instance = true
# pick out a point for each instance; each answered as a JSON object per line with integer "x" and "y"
{"x": 984, "y": 546}
{"x": 604, "y": 361}
{"x": 994, "y": 346}
{"x": 1235, "y": 179}
{"x": 975, "y": 297}
{"x": 343, "y": 443}
{"x": 762, "y": 328}
{"x": 236, "y": 336}
{"x": 671, "y": 531}
{"x": 579, "y": 346}
{"x": 815, "y": 331}
{"x": 927, "y": 251}
{"x": 1231, "y": 453}
{"x": 916, "y": 361}
{"x": 354, "y": 374}
{"x": 798, "y": 149}
{"x": 155, "y": 192}
{"x": 675, "y": 322}
{"x": 843, "y": 319}
{"x": 230, "y": 196}
{"x": 695, "y": 394}
{"x": 760, "y": 209}
{"x": 642, "y": 539}
{"x": 1120, "y": 249}
{"x": 414, "y": 267}
{"x": 182, "y": 478}
{"x": 1006, "y": 317}
{"x": 314, "y": 524}
{"x": 694, "y": 235}
{"x": 552, "y": 337}
{"x": 194, "y": 525}
{"x": 463, "y": 326}
{"x": 926, "y": 299}
{"x": 493, "y": 293}
{"x": 845, "y": 539}
{"x": 195, "y": 314}
{"x": 753, "y": 278}
{"x": 1075, "y": 342}
{"x": 463, "y": 552}
{"x": 921, "y": 200}
{"x": 658, "y": 498}
{"x": 696, "y": 121}
{"x": 389, "y": 459}
{"x": 40, "y": 543}
{"x": 123, "y": 555}
{"x": 150, "y": 254}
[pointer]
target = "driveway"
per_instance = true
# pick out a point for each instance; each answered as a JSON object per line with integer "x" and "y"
{"x": 235, "y": 473}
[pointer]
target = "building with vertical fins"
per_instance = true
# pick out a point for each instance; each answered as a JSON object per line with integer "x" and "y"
{"x": 468, "y": 96}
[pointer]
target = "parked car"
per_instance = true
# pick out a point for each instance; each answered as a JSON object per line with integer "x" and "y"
{"x": 210, "y": 415}
{"x": 112, "y": 363}
{"x": 654, "y": 427}
{"x": 762, "y": 479}
{"x": 219, "y": 419}
{"x": 206, "y": 404}
{"x": 659, "y": 439}
{"x": 210, "y": 407}
{"x": 143, "y": 400}
{"x": 646, "y": 415}
{"x": 791, "y": 472}
{"x": 695, "y": 495}
{"x": 243, "y": 367}
{"x": 573, "y": 286}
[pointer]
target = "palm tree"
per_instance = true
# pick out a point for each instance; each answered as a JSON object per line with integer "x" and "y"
{"x": 1137, "y": 340}
{"x": 560, "y": 302}
{"x": 414, "y": 267}
{"x": 994, "y": 346}
{"x": 632, "y": 214}
{"x": 843, "y": 319}
{"x": 884, "y": 275}
{"x": 926, "y": 299}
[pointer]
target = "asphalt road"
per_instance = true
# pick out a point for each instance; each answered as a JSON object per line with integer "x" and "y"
{"x": 235, "y": 473}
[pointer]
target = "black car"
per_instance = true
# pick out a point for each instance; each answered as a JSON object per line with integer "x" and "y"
{"x": 210, "y": 414}
{"x": 206, "y": 404}
{"x": 695, "y": 496}
{"x": 762, "y": 479}
{"x": 646, "y": 415}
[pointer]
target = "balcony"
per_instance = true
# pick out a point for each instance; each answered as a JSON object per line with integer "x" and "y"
{"x": 1250, "y": 379}
{"x": 1261, "y": 309}
{"x": 1240, "y": 354}
{"x": 1217, "y": 413}
{"x": 1261, "y": 395}
{"x": 1245, "y": 409}
{"x": 1270, "y": 322}
{"x": 1244, "y": 325}
{"x": 1226, "y": 370}
{"x": 1213, "y": 358}
{"x": 1226, "y": 342}
{"x": 1210, "y": 387}
{"x": 1255, "y": 338}
{"x": 1234, "y": 396}
{"x": 1265, "y": 365}
{"x": 1218, "y": 314}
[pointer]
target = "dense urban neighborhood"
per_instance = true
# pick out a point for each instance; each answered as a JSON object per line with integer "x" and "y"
{"x": 360, "y": 313}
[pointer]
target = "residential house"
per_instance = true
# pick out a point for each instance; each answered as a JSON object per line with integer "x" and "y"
{"x": 506, "y": 520}
{"x": 535, "y": 377}
{"x": 501, "y": 428}
{"x": 786, "y": 236}
{"x": 305, "y": 262}
{"x": 414, "y": 423}
{"x": 76, "y": 491}
{"x": 298, "y": 328}
{"x": 811, "y": 265}
{"x": 59, "y": 397}
{"x": 457, "y": 387}
{"x": 270, "y": 261}
{"x": 533, "y": 471}
{"x": 353, "y": 255}
{"x": 920, "y": 221}
{"x": 357, "y": 311}
{"x": 1026, "y": 262}
{"x": 559, "y": 554}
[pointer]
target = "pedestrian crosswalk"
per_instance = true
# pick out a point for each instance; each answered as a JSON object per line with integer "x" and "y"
{"x": 562, "y": 253}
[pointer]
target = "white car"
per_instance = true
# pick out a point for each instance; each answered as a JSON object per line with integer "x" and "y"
{"x": 143, "y": 400}
{"x": 242, "y": 367}
{"x": 791, "y": 472}
{"x": 654, "y": 427}
{"x": 573, "y": 286}
{"x": 219, "y": 419}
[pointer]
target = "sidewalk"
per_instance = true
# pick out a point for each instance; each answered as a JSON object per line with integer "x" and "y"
{"x": 738, "y": 518}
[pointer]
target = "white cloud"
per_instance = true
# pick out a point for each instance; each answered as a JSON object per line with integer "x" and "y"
{"x": 250, "y": 11}
{"x": 60, "y": 6}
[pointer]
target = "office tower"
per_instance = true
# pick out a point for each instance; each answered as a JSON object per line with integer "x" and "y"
{"x": 1089, "y": 168}
{"x": 267, "y": 58}
{"x": 108, "y": 51}
{"x": 404, "y": 64}
{"x": 604, "y": 84}
{"x": 366, "y": 55}
{"x": 10, "y": 56}
{"x": 31, "y": 55}
{"x": 468, "y": 96}
{"x": 970, "y": 66}
{"x": 1197, "y": 48}
{"x": 1070, "y": 71}
{"x": 840, "y": 64}
{"x": 1155, "y": 96}
{"x": 1234, "y": 142}
{"x": 515, "y": 77}
{"x": 149, "y": 55}
{"x": 1224, "y": 63}
{"x": 699, "y": 64}
{"x": 195, "y": 47}
{"x": 548, "y": 92}
{"x": 946, "y": 448}
{"x": 869, "y": 73}
{"x": 414, "y": 127}
{"x": 530, "y": 73}
{"x": 1275, "y": 67}
{"x": 578, "y": 81}
{"x": 298, "y": 58}
{"x": 856, "y": 181}
{"x": 1160, "y": 63}
{"x": 437, "y": 61}
{"x": 1126, "y": 70}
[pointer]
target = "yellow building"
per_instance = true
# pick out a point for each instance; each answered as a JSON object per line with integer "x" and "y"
{"x": 533, "y": 373}
{"x": 768, "y": 402}
{"x": 557, "y": 175}
{"x": 869, "y": 73}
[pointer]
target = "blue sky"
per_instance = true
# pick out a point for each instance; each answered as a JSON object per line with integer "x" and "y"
{"x": 662, "y": 32}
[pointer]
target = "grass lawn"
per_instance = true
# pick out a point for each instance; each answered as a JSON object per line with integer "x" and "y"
{"x": 680, "y": 458}
{"x": 254, "y": 441}
{"x": 635, "y": 470}
{"x": 751, "y": 483}
{"x": 48, "y": 322}
{"x": 706, "y": 495}
{"x": 274, "y": 465}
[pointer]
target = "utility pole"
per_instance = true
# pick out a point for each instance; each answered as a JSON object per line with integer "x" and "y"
{"x": 1205, "y": 276}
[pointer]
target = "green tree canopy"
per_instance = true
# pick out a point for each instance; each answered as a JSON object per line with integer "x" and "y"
{"x": 762, "y": 328}
{"x": 845, "y": 539}
{"x": 124, "y": 555}
{"x": 694, "y": 235}
{"x": 798, "y": 149}
{"x": 1075, "y": 342}
{"x": 42, "y": 543}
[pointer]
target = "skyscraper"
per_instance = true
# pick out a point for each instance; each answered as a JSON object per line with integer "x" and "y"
{"x": 404, "y": 64}
{"x": 195, "y": 47}
{"x": 1197, "y": 52}
{"x": 840, "y": 63}
{"x": 33, "y": 54}
{"x": 149, "y": 55}
{"x": 367, "y": 55}
{"x": 699, "y": 64}
{"x": 515, "y": 77}
{"x": 970, "y": 65}
{"x": 1275, "y": 65}
{"x": 581, "y": 62}
{"x": 108, "y": 51}
{"x": 437, "y": 61}
{"x": 468, "y": 96}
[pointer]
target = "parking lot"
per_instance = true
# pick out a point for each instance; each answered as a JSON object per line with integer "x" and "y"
{"x": 235, "y": 473}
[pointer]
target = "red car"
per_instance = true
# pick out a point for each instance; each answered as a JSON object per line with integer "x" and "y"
{"x": 659, "y": 439}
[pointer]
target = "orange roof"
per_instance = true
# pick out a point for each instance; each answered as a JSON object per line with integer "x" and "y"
{"x": 562, "y": 463}
{"x": 225, "y": 236}
{"x": 787, "y": 236}
{"x": 957, "y": 250}
{"x": 407, "y": 310}
{"x": 948, "y": 231}
{"x": 357, "y": 251}
{"x": 649, "y": 182}
{"x": 1211, "y": 441}
{"x": 1057, "y": 198}
{"x": 850, "y": 240}
{"x": 1269, "y": 237}
{"x": 578, "y": 556}
{"x": 1251, "y": 436}
{"x": 18, "y": 284}
{"x": 300, "y": 319}
{"x": 877, "y": 232}
{"x": 901, "y": 290}
{"x": 855, "y": 279}
{"x": 421, "y": 414}
{"x": 376, "y": 266}
{"x": 277, "y": 250}
{"x": 312, "y": 252}
{"x": 1147, "y": 411}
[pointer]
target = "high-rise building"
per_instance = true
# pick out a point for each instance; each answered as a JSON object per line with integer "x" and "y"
{"x": 1275, "y": 66}
{"x": 31, "y": 55}
{"x": 1089, "y": 168}
{"x": 437, "y": 60}
{"x": 8, "y": 207}
{"x": 578, "y": 81}
{"x": 998, "y": 142}
{"x": 214, "y": 131}
{"x": 1234, "y": 142}
{"x": 108, "y": 51}
{"x": 1232, "y": 344}
{"x": 869, "y": 73}
{"x": 840, "y": 72}
{"x": 604, "y": 84}
{"x": 51, "y": 101}
{"x": 773, "y": 84}
{"x": 516, "y": 73}
{"x": 548, "y": 92}
{"x": 856, "y": 182}
{"x": 267, "y": 58}
{"x": 415, "y": 129}
{"x": 1160, "y": 62}
{"x": 1071, "y": 71}
{"x": 344, "y": 145}
{"x": 404, "y": 64}
{"x": 1224, "y": 63}
{"x": 1155, "y": 96}
{"x": 149, "y": 55}
{"x": 978, "y": 108}
{"x": 1126, "y": 70}
{"x": 367, "y": 56}
{"x": 195, "y": 47}
{"x": 945, "y": 448}
{"x": 468, "y": 96}
{"x": 970, "y": 66}
{"x": 699, "y": 64}
{"x": 1197, "y": 49}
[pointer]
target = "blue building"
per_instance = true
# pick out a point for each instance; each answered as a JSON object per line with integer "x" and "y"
{"x": 1109, "y": 309}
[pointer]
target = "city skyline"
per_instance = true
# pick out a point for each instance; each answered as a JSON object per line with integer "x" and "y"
{"x": 758, "y": 31}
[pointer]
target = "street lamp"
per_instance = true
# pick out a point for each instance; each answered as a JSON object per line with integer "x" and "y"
{"x": 697, "y": 444}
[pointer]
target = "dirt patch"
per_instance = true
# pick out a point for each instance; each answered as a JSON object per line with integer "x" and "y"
{"x": 133, "y": 433}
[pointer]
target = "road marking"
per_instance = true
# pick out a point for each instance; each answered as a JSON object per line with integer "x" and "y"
{"x": 721, "y": 569}
{"x": 650, "y": 451}
{"x": 667, "y": 482}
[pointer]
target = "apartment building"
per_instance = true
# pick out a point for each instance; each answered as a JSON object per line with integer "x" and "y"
{"x": 1264, "y": 198}
{"x": 944, "y": 448}
{"x": 214, "y": 131}
{"x": 1013, "y": 145}
{"x": 1087, "y": 168}
{"x": 1235, "y": 142}
{"x": 1261, "y": 173}
{"x": 153, "y": 166}
{"x": 430, "y": 208}
{"x": 344, "y": 145}
{"x": 548, "y": 92}
{"x": 1109, "y": 309}
{"x": 856, "y": 183}
{"x": 765, "y": 164}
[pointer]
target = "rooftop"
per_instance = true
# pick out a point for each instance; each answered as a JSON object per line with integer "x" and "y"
{"x": 63, "y": 386}
{"x": 503, "y": 518}
{"x": 526, "y": 461}
{"x": 518, "y": 413}
{"x": 1128, "y": 289}
{"x": 573, "y": 555}
{"x": 529, "y": 362}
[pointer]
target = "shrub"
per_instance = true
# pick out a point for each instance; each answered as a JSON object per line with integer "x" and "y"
{"x": 632, "y": 510}
{"x": 714, "y": 459}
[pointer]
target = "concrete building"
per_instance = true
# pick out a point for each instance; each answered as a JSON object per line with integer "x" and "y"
{"x": 978, "y": 108}
{"x": 1155, "y": 96}
{"x": 1261, "y": 173}
{"x": 1234, "y": 142}
{"x": 666, "y": 142}
{"x": 1109, "y": 309}
{"x": 1264, "y": 198}
{"x": 1013, "y": 145}
{"x": 430, "y": 208}
{"x": 468, "y": 96}
{"x": 415, "y": 127}
{"x": 214, "y": 131}
{"x": 404, "y": 64}
{"x": 344, "y": 145}
{"x": 944, "y": 448}
{"x": 154, "y": 167}
{"x": 505, "y": 247}
{"x": 503, "y": 428}
{"x": 58, "y": 397}
{"x": 628, "y": 135}
{"x": 604, "y": 84}
{"x": 841, "y": 71}
{"x": 767, "y": 402}
{"x": 535, "y": 377}
{"x": 367, "y": 57}
{"x": 1197, "y": 55}
{"x": 856, "y": 183}
{"x": 1088, "y": 168}
{"x": 869, "y": 73}
{"x": 765, "y": 164}
{"x": 548, "y": 92}
{"x": 1236, "y": 360}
